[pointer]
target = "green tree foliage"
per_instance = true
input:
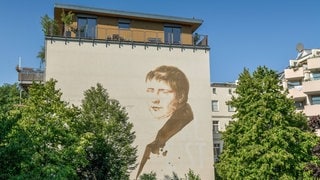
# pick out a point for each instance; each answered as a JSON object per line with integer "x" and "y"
{"x": 45, "y": 139}
{"x": 9, "y": 98}
{"x": 105, "y": 124}
{"x": 67, "y": 19}
{"x": 148, "y": 176}
{"x": 153, "y": 176}
{"x": 42, "y": 55}
{"x": 49, "y": 26}
{"x": 191, "y": 175}
{"x": 268, "y": 140}
{"x": 9, "y": 101}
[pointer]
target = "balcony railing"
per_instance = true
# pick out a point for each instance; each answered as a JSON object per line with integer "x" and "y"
{"x": 312, "y": 110}
{"x": 311, "y": 87}
{"x": 28, "y": 75}
{"x": 142, "y": 36}
{"x": 297, "y": 93}
{"x": 314, "y": 63}
{"x": 294, "y": 73}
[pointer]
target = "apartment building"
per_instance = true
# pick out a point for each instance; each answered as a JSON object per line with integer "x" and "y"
{"x": 221, "y": 114}
{"x": 120, "y": 50}
{"x": 302, "y": 79}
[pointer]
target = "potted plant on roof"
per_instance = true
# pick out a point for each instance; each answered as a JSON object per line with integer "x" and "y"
{"x": 67, "y": 19}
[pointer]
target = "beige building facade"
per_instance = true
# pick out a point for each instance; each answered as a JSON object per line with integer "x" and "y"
{"x": 221, "y": 113}
{"x": 302, "y": 80}
{"x": 143, "y": 60}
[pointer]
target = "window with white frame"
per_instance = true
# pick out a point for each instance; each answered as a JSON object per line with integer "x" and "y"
{"x": 215, "y": 127}
{"x": 214, "y": 106}
{"x": 216, "y": 151}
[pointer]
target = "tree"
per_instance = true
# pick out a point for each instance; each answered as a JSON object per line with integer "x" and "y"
{"x": 268, "y": 140}
{"x": 67, "y": 20}
{"x": 9, "y": 98}
{"x": 49, "y": 26}
{"x": 148, "y": 176}
{"x": 192, "y": 176}
{"x": 153, "y": 176}
{"x": 314, "y": 124}
{"x": 42, "y": 55}
{"x": 105, "y": 124}
{"x": 45, "y": 139}
{"x": 9, "y": 101}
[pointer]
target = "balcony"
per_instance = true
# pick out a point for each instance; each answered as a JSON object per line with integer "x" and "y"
{"x": 311, "y": 87}
{"x": 312, "y": 110}
{"x": 136, "y": 36}
{"x": 26, "y": 76}
{"x": 314, "y": 63}
{"x": 297, "y": 93}
{"x": 294, "y": 73}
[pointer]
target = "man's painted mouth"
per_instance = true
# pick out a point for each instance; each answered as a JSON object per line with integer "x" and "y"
{"x": 156, "y": 108}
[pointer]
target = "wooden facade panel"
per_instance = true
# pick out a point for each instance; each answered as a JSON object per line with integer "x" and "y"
{"x": 141, "y": 30}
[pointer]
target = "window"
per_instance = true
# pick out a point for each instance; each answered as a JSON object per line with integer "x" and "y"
{"x": 315, "y": 100}
{"x": 231, "y": 109}
{"x": 299, "y": 105}
{"x": 293, "y": 84}
{"x": 124, "y": 24}
{"x": 87, "y": 27}
{"x": 316, "y": 75}
{"x": 216, "y": 151}
{"x": 214, "y": 105}
{"x": 172, "y": 34}
{"x": 214, "y": 90}
{"x": 215, "y": 127}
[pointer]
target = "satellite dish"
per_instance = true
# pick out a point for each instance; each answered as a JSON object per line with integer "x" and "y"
{"x": 299, "y": 47}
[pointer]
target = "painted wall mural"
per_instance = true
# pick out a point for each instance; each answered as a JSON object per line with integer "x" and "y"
{"x": 168, "y": 89}
{"x": 166, "y": 92}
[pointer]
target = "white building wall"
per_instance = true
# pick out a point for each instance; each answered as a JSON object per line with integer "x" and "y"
{"x": 121, "y": 69}
{"x": 221, "y": 92}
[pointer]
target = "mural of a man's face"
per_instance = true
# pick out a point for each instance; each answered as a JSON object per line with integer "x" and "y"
{"x": 162, "y": 99}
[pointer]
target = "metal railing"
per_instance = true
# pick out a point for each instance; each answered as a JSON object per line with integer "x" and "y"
{"x": 142, "y": 36}
{"x": 30, "y": 74}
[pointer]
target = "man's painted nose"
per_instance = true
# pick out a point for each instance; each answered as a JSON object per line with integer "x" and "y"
{"x": 156, "y": 101}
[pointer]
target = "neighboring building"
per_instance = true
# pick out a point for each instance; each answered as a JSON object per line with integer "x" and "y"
{"x": 302, "y": 79}
{"x": 221, "y": 114}
{"x": 28, "y": 75}
{"x": 118, "y": 49}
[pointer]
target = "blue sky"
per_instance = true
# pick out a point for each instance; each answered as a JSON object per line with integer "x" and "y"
{"x": 242, "y": 34}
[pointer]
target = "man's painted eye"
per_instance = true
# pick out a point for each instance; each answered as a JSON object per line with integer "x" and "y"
{"x": 165, "y": 91}
{"x": 150, "y": 90}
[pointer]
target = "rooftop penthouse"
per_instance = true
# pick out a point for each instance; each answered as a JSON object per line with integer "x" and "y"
{"x": 131, "y": 27}
{"x": 96, "y": 25}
